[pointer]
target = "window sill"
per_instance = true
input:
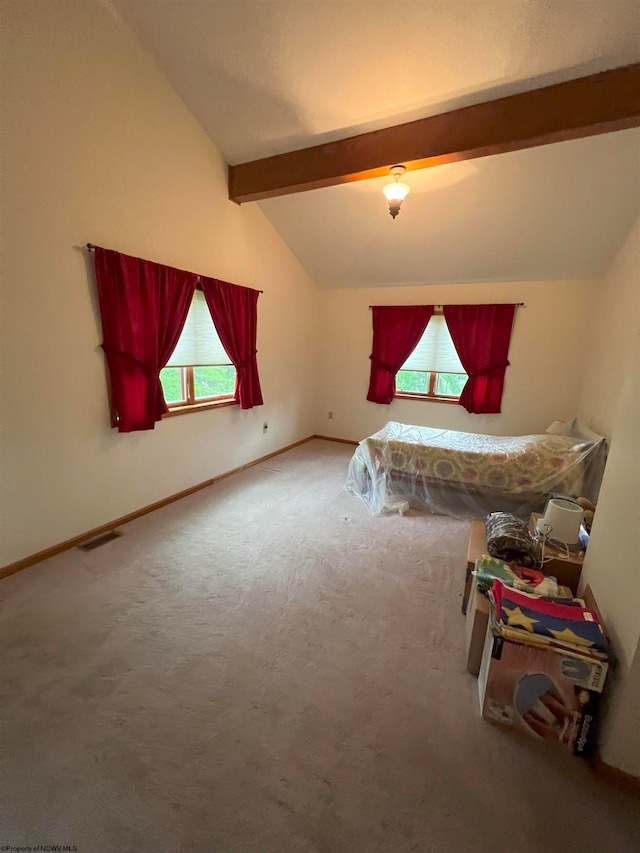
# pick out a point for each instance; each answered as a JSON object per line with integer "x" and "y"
{"x": 200, "y": 407}
{"x": 402, "y": 395}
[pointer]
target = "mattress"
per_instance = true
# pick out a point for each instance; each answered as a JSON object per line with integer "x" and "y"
{"x": 420, "y": 465}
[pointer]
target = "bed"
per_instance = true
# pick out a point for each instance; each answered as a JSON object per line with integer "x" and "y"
{"x": 467, "y": 475}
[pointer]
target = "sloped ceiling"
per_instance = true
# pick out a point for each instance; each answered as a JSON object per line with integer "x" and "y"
{"x": 559, "y": 211}
{"x": 267, "y": 77}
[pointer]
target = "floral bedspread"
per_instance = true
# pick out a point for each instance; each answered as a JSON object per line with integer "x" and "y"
{"x": 492, "y": 464}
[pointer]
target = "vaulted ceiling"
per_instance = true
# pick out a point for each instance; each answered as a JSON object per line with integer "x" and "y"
{"x": 267, "y": 77}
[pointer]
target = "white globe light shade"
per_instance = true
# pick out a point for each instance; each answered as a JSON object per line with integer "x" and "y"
{"x": 396, "y": 191}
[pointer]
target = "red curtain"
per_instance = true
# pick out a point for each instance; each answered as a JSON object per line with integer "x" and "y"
{"x": 396, "y": 332}
{"x": 234, "y": 311}
{"x": 144, "y": 306}
{"x": 481, "y": 335}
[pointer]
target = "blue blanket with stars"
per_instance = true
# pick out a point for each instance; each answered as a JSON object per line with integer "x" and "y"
{"x": 565, "y": 624}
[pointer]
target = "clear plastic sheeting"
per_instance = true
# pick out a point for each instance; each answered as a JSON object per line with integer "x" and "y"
{"x": 467, "y": 475}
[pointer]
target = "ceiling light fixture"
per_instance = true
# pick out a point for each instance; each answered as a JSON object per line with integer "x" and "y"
{"x": 396, "y": 192}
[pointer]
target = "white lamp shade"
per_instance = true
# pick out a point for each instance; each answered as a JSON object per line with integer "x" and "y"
{"x": 561, "y": 521}
{"x": 396, "y": 191}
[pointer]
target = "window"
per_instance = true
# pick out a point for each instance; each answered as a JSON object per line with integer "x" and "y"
{"x": 433, "y": 370}
{"x": 199, "y": 373}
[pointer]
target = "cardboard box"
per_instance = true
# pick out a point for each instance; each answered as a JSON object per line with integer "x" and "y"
{"x": 476, "y": 548}
{"x": 567, "y": 570}
{"x": 477, "y": 622}
{"x": 547, "y": 694}
{"x": 476, "y": 628}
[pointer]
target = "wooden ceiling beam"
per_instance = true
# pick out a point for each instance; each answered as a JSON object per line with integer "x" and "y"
{"x": 600, "y": 103}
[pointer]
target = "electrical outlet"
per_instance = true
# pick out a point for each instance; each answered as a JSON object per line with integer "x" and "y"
{"x": 330, "y": 416}
{"x": 265, "y": 426}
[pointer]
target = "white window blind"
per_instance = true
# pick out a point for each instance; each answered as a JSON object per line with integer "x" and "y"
{"x": 435, "y": 351}
{"x": 199, "y": 344}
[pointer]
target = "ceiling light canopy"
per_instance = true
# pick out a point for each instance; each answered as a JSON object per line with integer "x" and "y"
{"x": 396, "y": 192}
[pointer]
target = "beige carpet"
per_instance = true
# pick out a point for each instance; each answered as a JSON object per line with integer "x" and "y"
{"x": 263, "y": 668}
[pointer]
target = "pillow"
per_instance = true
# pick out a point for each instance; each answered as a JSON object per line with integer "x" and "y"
{"x": 574, "y": 429}
{"x": 559, "y": 428}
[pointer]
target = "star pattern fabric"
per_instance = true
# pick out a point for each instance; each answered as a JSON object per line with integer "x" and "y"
{"x": 568, "y": 636}
{"x": 517, "y": 619}
{"x": 569, "y": 624}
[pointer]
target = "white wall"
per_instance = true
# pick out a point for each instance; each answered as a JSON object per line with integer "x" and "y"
{"x": 613, "y": 334}
{"x": 612, "y": 569}
{"x": 611, "y": 401}
{"x": 620, "y": 745}
{"x": 546, "y": 354}
{"x": 98, "y": 147}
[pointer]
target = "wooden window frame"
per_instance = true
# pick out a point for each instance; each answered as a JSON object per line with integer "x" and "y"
{"x": 192, "y": 404}
{"x": 430, "y": 394}
{"x": 433, "y": 378}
